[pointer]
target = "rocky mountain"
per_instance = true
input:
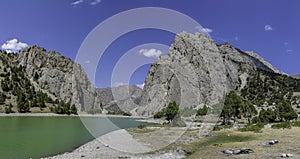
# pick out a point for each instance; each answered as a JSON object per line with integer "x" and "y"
{"x": 198, "y": 72}
{"x": 121, "y": 99}
{"x": 195, "y": 72}
{"x": 296, "y": 76}
{"x": 58, "y": 78}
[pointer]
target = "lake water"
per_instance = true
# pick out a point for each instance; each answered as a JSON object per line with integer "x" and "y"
{"x": 34, "y": 137}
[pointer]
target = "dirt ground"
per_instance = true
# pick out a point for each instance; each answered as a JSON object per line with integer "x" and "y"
{"x": 211, "y": 147}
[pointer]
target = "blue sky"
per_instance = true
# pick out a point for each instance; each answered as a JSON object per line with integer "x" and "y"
{"x": 270, "y": 28}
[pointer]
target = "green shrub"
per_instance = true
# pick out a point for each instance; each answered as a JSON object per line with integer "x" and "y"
{"x": 73, "y": 109}
{"x": 8, "y": 109}
{"x": 202, "y": 111}
{"x": 267, "y": 115}
{"x": 169, "y": 112}
{"x": 159, "y": 114}
{"x": 126, "y": 114}
{"x": 297, "y": 124}
{"x": 2, "y": 98}
{"x": 282, "y": 125}
{"x": 236, "y": 107}
{"x": 256, "y": 119}
{"x": 64, "y": 108}
{"x": 253, "y": 127}
{"x": 142, "y": 126}
{"x": 220, "y": 127}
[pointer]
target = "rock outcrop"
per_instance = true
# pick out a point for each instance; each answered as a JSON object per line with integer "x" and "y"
{"x": 121, "y": 99}
{"x": 59, "y": 77}
{"x": 197, "y": 71}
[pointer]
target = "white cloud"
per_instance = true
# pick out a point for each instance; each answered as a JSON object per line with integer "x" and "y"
{"x": 204, "y": 30}
{"x": 75, "y": 3}
{"x": 94, "y": 2}
{"x": 285, "y": 43}
{"x": 268, "y": 28}
{"x": 289, "y": 50}
{"x": 141, "y": 85}
{"x": 150, "y": 53}
{"x": 236, "y": 38}
{"x": 13, "y": 45}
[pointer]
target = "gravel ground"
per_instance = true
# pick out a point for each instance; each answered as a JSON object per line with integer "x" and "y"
{"x": 117, "y": 144}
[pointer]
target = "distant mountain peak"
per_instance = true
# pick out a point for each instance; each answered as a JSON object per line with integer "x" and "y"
{"x": 296, "y": 76}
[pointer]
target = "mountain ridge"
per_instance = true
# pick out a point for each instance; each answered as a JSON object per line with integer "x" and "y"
{"x": 55, "y": 75}
{"x": 121, "y": 99}
{"x": 195, "y": 72}
{"x": 198, "y": 72}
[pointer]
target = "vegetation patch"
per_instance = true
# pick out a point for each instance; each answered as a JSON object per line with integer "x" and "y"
{"x": 220, "y": 127}
{"x": 141, "y": 126}
{"x": 219, "y": 139}
{"x": 236, "y": 107}
{"x": 202, "y": 111}
{"x": 282, "y": 125}
{"x": 296, "y": 124}
{"x": 253, "y": 127}
{"x": 19, "y": 94}
{"x": 269, "y": 87}
{"x": 169, "y": 112}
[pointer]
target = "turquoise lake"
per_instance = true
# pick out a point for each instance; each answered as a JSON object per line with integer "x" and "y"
{"x": 24, "y": 137}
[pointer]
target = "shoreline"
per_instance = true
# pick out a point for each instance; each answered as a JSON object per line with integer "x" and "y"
{"x": 112, "y": 146}
{"x": 103, "y": 146}
{"x": 72, "y": 115}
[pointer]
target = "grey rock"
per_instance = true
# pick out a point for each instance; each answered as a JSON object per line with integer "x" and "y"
{"x": 120, "y": 99}
{"x": 228, "y": 152}
{"x": 270, "y": 143}
{"x": 285, "y": 155}
{"x": 197, "y": 71}
{"x": 236, "y": 151}
{"x": 59, "y": 77}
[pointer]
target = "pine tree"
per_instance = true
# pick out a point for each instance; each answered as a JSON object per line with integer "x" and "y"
{"x": 73, "y": 109}
{"x": 171, "y": 111}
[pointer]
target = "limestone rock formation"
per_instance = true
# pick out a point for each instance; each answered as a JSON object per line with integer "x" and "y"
{"x": 121, "y": 99}
{"x": 197, "y": 71}
{"x": 60, "y": 77}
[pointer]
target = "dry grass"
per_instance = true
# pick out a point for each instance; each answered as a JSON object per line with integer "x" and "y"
{"x": 289, "y": 142}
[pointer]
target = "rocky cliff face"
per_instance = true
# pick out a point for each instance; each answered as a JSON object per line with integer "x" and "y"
{"x": 59, "y": 77}
{"x": 121, "y": 99}
{"x": 197, "y": 71}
